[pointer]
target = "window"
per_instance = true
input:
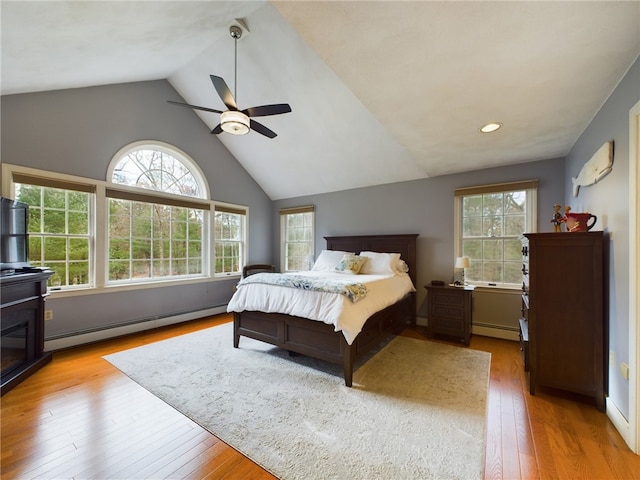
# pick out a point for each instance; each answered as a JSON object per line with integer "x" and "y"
{"x": 155, "y": 235}
{"x": 60, "y": 228}
{"x": 230, "y": 228}
{"x": 297, "y": 234}
{"x": 150, "y": 220}
{"x": 490, "y": 221}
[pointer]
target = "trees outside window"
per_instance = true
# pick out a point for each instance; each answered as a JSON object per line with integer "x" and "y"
{"x": 150, "y": 220}
{"x": 491, "y": 220}
{"x": 59, "y": 232}
{"x": 230, "y": 228}
{"x": 297, "y": 238}
{"x": 160, "y": 233}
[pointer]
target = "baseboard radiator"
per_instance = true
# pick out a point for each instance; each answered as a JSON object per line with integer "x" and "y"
{"x": 496, "y": 312}
{"x": 90, "y": 336}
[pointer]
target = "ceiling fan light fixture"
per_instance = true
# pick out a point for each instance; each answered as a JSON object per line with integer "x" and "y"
{"x": 234, "y": 122}
{"x": 490, "y": 127}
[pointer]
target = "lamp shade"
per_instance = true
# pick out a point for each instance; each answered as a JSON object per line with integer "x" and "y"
{"x": 463, "y": 262}
{"x": 234, "y": 122}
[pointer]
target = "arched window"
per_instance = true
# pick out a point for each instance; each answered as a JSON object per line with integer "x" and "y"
{"x": 159, "y": 167}
{"x": 157, "y": 225}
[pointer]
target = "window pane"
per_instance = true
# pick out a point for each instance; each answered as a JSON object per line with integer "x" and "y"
{"x": 492, "y": 250}
{"x": 514, "y": 224}
{"x": 515, "y": 202}
{"x": 156, "y": 170}
{"x": 512, "y": 272}
{"x": 472, "y": 206}
{"x": 493, "y": 272}
{"x": 490, "y": 227}
{"x": 513, "y": 250}
{"x": 492, "y": 204}
{"x": 78, "y": 249}
{"x": 472, "y": 226}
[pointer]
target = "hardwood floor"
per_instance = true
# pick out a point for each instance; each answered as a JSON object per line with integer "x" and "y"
{"x": 80, "y": 417}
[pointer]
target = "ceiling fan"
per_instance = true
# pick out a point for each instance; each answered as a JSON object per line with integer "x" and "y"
{"x": 238, "y": 122}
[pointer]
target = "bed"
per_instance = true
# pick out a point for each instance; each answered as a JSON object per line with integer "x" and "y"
{"x": 318, "y": 339}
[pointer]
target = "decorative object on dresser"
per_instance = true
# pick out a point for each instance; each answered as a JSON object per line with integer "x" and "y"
{"x": 450, "y": 311}
{"x": 579, "y": 222}
{"x": 564, "y": 312}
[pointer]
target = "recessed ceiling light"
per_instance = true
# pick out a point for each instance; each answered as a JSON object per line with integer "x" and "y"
{"x": 490, "y": 127}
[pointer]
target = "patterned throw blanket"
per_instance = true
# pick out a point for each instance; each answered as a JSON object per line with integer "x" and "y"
{"x": 352, "y": 290}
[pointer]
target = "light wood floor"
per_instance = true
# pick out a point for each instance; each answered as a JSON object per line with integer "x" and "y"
{"x": 79, "y": 417}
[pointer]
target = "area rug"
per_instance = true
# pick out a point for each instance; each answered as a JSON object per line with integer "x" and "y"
{"x": 417, "y": 409}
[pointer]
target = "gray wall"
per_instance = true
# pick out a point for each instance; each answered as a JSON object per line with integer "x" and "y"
{"x": 609, "y": 201}
{"x": 77, "y": 132}
{"x": 425, "y": 207}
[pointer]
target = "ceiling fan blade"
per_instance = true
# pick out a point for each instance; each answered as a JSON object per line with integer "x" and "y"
{"x": 224, "y": 92}
{"x": 258, "y": 127}
{"x": 217, "y": 130}
{"x": 204, "y": 109}
{"x": 264, "y": 110}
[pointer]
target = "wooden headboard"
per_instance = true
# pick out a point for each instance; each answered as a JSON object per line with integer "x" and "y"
{"x": 404, "y": 244}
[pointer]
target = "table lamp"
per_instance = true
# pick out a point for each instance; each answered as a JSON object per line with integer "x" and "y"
{"x": 463, "y": 263}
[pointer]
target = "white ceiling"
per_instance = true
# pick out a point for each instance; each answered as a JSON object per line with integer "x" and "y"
{"x": 381, "y": 91}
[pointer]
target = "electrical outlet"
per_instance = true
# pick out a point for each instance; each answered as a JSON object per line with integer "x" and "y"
{"x": 612, "y": 358}
{"x": 48, "y": 314}
{"x": 624, "y": 370}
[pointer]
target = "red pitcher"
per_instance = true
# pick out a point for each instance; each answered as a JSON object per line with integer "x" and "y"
{"x": 579, "y": 222}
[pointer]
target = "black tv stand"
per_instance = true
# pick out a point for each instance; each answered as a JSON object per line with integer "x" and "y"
{"x": 22, "y": 325}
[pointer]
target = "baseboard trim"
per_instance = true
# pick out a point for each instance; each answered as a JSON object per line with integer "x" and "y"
{"x": 621, "y": 424}
{"x": 112, "y": 332}
{"x": 495, "y": 332}
{"x": 483, "y": 330}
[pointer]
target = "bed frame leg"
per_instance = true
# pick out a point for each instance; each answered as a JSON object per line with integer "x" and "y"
{"x": 347, "y": 365}
{"x": 236, "y": 326}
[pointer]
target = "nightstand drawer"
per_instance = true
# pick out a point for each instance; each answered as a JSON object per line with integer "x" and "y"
{"x": 448, "y": 298}
{"x": 448, "y": 311}
{"x": 452, "y": 326}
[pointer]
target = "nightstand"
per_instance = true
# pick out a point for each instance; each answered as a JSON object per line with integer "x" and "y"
{"x": 449, "y": 312}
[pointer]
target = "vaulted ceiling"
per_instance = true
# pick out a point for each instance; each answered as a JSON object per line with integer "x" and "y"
{"x": 381, "y": 91}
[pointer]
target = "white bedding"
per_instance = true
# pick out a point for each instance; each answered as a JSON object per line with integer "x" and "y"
{"x": 331, "y": 308}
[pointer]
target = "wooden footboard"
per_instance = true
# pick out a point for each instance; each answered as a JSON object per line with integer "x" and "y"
{"x": 317, "y": 339}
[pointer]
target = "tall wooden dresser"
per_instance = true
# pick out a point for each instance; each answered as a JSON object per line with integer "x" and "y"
{"x": 565, "y": 312}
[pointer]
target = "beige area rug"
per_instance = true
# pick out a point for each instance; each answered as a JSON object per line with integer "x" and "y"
{"x": 417, "y": 409}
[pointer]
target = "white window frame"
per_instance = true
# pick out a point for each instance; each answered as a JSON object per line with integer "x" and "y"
{"x": 66, "y": 183}
{"x": 530, "y": 186}
{"x": 284, "y": 214}
{"x": 99, "y": 223}
{"x": 233, "y": 209}
{"x": 151, "y": 196}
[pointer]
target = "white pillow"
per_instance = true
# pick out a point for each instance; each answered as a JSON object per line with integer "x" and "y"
{"x": 380, "y": 263}
{"x": 351, "y": 264}
{"x": 328, "y": 260}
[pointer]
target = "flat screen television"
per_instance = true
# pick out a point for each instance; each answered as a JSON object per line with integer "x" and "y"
{"x": 14, "y": 242}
